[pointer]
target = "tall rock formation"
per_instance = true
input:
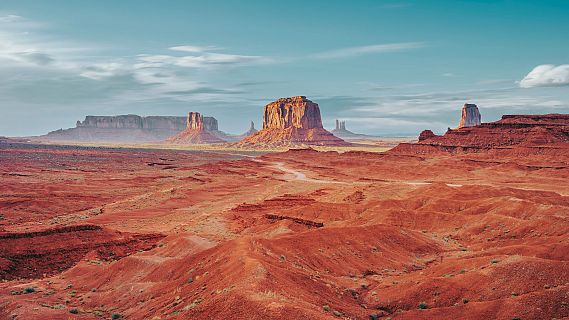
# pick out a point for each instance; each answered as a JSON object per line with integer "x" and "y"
{"x": 292, "y": 121}
{"x": 196, "y": 132}
{"x": 470, "y": 116}
{"x": 251, "y": 130}
{"x": 341, "y": 132}
{"x": 120, "y": 129}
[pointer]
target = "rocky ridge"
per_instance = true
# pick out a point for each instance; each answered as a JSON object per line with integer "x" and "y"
{"x": 533, "y": 132}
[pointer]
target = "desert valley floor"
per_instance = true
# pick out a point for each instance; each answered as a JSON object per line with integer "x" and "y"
{"x": 95, "y": 233}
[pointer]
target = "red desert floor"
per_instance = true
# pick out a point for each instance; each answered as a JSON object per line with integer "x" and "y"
{"x": 88, "y": 233}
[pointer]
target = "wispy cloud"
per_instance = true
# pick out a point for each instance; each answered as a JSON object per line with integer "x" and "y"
{"x": 547, "y": 75}
{"x": 371, "y": 49}
{"x": 188, "y": 48}
{"x": 10, "y": 18}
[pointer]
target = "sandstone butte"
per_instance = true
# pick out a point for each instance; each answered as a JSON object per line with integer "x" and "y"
{"x": 292, "y": 121}
{"x": 196, "y": 131}
{"x": 470, "y": 116}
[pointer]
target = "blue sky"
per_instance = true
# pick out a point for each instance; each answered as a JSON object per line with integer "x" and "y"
{"x": 386, "y": 67}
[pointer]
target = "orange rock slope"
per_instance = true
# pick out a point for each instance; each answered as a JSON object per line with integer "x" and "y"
{"x": 292, "y": 121}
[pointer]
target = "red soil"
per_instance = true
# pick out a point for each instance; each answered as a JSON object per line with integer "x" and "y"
{"x": 466, "y": 236}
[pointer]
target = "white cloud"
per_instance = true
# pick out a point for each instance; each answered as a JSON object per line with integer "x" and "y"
{"x": 377, "y": 48}
{"x": 187, "y": 48}
{"x": 101, "y": 71}
{"x": 201, "y": 60}
{"x": 10, "y": 18}
{"x": 547, "y": 75}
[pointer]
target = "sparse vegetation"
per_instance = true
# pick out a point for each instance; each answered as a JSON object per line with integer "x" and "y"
{"x": 423, "y": 305}
{"x": 494, "y": 261}
{"x": 515, "y": 294}
{"x": 326, "y": 308}
{"x": 464, "y": 300}
{"x": 74, "y": 311}
{"x": 116, "y": 316}
{"x": 29, "y": 290}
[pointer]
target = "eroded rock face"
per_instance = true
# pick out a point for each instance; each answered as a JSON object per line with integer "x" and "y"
{"x": 294, "y": 112}
{"x": 470, "y": 116}
{"x": 292, "y": 121}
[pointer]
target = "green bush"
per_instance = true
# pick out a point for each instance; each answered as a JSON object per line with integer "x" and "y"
{"x": 29, "y": 290}
{"x": 423, "y": 305}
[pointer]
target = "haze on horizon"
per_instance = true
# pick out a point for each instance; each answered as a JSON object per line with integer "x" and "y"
{"x": 386, "y": 67}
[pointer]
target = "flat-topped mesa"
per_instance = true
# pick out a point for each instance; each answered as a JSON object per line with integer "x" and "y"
{"x": 128, "y": 128}
{"x": 196, "y": 131}
{"x": 292, "y": 121}
{"x": 297, "y": 112}
{"x": 210, "y": 124}
{"x": 470, "y": 116}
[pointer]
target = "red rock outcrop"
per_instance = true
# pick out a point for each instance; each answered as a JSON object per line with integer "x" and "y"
{"x": 511, "y": 131}
{"x": 470, "y": 116}
{"x": 196, "y": 132}
{"x": 426, "y": 134}
{"x": 292, "y": 121}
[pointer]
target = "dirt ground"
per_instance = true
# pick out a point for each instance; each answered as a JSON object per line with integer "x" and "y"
{"x": 97, "y": 233}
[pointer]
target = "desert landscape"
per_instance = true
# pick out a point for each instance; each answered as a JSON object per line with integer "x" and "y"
{"x": 471, "y": 225}
{"x": 259, "y": 160}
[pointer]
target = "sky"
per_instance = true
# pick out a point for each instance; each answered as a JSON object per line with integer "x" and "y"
{"x": 385, "y": 67}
